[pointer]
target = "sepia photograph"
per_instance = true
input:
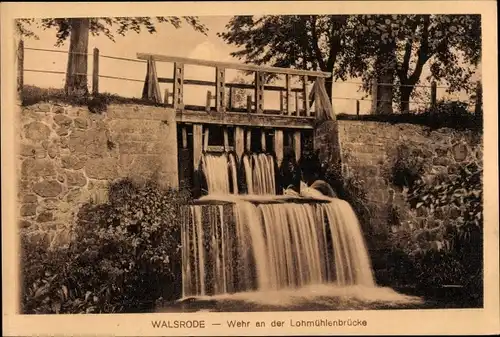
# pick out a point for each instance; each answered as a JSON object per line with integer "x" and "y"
{"x": 249, "y": 163}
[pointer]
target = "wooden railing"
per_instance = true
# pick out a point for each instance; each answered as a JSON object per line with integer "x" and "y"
{"x": 255, "y": 103}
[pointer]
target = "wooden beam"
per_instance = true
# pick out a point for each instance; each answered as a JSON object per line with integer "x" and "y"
{"x": 206, "y": 135}
{"x": 239, "y": 141}
{"x": 248, "y": 141}
{"x": 288, "y": 94}
{"x": 306, "y": 97}
{"x": 184, "y": 137}
{"x": 95, "y": 72}
{"x": 178, "y": 99}
{"x": 259, "y": 92}
{"x": 296, "y": 145}
{"x": 278, "y": 146}
{"x": 263, "y": 140}
{"x": 197, "y": 145}
{"x": 243, "y": 119}
{"x": 228, "y": 85}
{"x": 220, "y": 89}
{"x": 226, "y": 140}
{"x": 247, "y": 67}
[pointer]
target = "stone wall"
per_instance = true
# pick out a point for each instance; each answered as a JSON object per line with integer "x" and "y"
{"x": 369, "y": 150}
{"x": 68, "y": 155}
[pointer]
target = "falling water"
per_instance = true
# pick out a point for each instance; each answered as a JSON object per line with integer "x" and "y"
{"x": 220, "y": 173}
{"x": 263, "y": 243}
{"x": 259, "y": 174}
{"x": 274, "y": 246}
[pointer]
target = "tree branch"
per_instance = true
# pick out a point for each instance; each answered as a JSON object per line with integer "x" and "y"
{"x": 424, "y": 53}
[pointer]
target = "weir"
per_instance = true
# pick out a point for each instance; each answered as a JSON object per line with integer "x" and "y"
{"x": 255, "y": 225}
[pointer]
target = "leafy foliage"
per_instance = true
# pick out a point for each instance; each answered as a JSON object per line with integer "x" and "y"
{"x": 448, "y": 248}
{"x": 451, "y": 43}
{"x": 104, "y": 26}
{"x": 125, "y": 256}
{"x": 365, "y": 46}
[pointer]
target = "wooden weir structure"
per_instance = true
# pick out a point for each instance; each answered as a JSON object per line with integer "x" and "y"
{"x": 225, "y": 127}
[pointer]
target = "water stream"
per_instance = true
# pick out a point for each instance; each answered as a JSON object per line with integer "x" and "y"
{"x": 261, "y": 246}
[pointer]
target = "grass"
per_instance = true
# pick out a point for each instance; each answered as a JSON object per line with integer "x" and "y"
{"x": 33, "y": 95}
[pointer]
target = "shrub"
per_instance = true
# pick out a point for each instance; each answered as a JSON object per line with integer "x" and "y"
{"x": 408, "y": 166}
{"x": 455, "y": 115}
{"x": 126, "y": 256}
{"x": 451, "y": 251}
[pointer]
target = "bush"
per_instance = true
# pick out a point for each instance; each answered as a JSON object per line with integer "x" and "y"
{"x": 455, "y": 115}
{"x": 408, "y": 166}
{"x": 125, "y": 257}
{"x": 454, "y": 254}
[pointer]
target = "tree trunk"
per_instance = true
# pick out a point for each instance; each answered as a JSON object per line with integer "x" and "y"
{"x": 385, "y": 68}
{"x": 405, "y": 99}
{"x": 76, "y": 73}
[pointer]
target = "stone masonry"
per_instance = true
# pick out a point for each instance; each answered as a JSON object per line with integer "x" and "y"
{"x": 68, "y": 156}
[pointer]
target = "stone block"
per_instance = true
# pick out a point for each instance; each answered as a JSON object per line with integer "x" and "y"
{"x": 81, "y": 123}
{"x": 75, "y": 179}
{"x": 48, "y": 188}
{"x": 28, "y": 209}
{"x": 62, "y": 120}
{"x": 45, "y": 216}
{"x": 25, "y": 224}
{"x": 101, "y": 168}
{"x": 28, "y": 150}
{"x": 37, "y": 168}
{"x": 30, "y": 198}
{"x": 73, "y": 162}
{"x": 36, "y": 131}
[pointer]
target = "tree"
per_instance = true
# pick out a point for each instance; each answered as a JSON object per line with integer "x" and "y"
{"x": 449, "y": 43}
{"x": 314, "y": 42}
{"x": 79, "y": 29}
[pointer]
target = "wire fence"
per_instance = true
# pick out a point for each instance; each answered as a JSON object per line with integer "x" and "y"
{"x": 346, "y": 97}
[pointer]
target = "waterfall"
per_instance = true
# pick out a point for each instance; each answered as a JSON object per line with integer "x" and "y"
{"x": 261, "y": 241}
{"x": 276, "y": 246}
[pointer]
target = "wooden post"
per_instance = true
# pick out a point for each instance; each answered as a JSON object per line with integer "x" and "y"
{"x": 296, "y": 145}
{"x": 263, "y": 140}
{"x": 231, "y": 98}
{"x": 281, "y": 102}
{"x": 165, "y": 99}
{"x": 278, "y": 146}
{"x": 305, "y": 101}
{"x": 249, "y": 103}
{"x": 226, "y": 140}
{"x": 20, "y": 68}
{"x": 178, "y": 99}
{"x": 248, "y": 142}
{"x": 95, "y": 73}
{"x": 209, "y": 101}
{"x": 205, "y": 138}
{"x": 374, "y": 97}
{"x": 259, "y": 92}
{"x": 288, "y": 94}
{"x": 184, "y": 137}
{"x": 478, "y": 108}
{"x": 220, "y": 89}
{"x": 239, "y": 141}
{"x": 197, "y": 144}
{"x": 433, "y": 94}
{"x": 357, "y": 107}
{"x": 297, "y": 106}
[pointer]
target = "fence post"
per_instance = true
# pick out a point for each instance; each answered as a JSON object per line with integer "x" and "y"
{"x": 209, "y": 101}
{"x": 220, "y": 88}
{"x": 259, "y": 92}
{"x": 165, "y": 99}
{"x": 95, "y": 73}
{"x": 249, "y": 103}
{"x": 178, "y": 94}
{"x": 231, "y": 97}
{"x": 357, "y": 108}
{"x": 478, "y": 109}
{"x": 20, "y": 67}
{"x": 374, "y": 97}
{"x": 305, "y": 101}
{"x": 433, "y": 94}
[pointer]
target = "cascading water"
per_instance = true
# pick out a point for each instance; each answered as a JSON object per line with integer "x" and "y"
{"x": 261, "y": 242}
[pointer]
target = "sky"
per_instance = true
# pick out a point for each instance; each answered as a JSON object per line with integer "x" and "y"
{"x": 184, "y": 42}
